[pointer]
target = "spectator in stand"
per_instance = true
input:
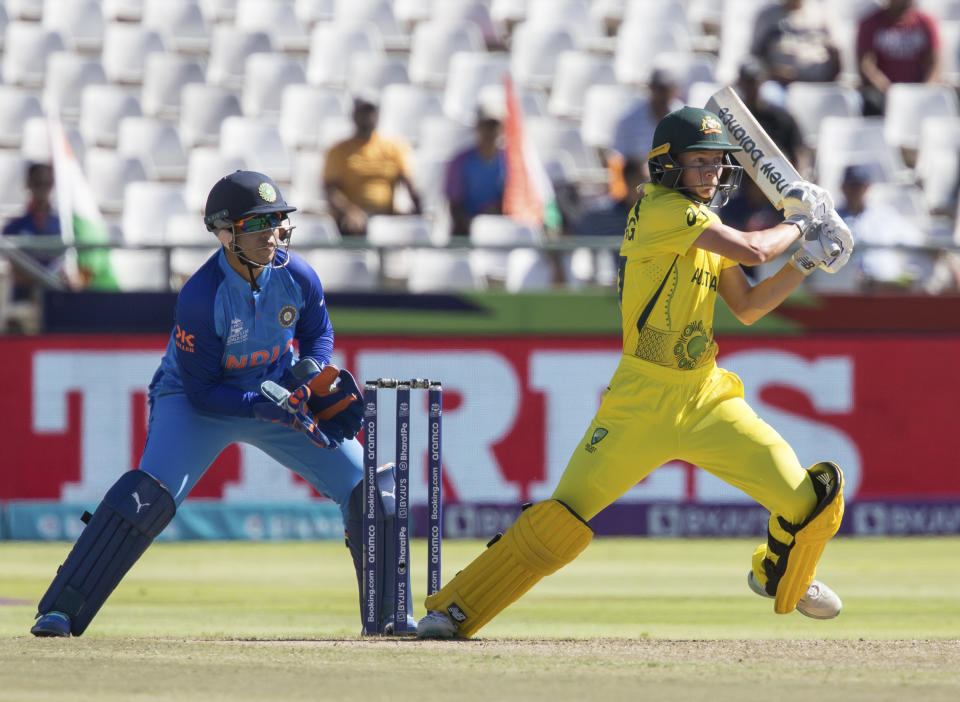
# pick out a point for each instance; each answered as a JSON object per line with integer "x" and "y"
{"x": 793, "y": 40}
{"x": 633, "y": 133}
{"x": 40, "y": 219}
{"x": 895, "y": 44}
{"x": 879, "y": 229}
{"x": 361, "y": 174}
{"x": 475, "y": 177}
{"x": 607, "y": 216}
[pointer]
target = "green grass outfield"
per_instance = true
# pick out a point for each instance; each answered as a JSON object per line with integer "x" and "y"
{"x": 665, "y": 619}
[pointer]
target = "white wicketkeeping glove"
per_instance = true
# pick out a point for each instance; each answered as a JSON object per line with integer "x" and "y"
{"x": 804, "y": 203}
{"x": 827, "y": 245}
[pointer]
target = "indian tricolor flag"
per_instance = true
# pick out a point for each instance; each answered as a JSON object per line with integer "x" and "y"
{"x": 80, "y": 218}
{"x": 528, "y": 193}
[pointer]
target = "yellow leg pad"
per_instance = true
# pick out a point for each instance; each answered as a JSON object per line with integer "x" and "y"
{"x": 811, "y": 537}
{"x": 544, "y": 538}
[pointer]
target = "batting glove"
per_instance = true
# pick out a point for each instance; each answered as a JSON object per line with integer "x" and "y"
{"x": 837, "y": 240}
{"x": 826, "y": 245}
{"x": 804, "y": 203}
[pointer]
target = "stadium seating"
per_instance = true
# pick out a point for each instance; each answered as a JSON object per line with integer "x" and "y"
{"x": 17, "y": 105}
{"x": 178, "y": 92}
{"x": 125, "y": 50}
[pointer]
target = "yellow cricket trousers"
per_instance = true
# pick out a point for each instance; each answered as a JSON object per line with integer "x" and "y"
{"x": 652, "y": 415}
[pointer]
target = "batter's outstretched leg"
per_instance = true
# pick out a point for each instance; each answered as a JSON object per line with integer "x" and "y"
{"x": 544, "y": 538}
{"x": 132, "y": 513}
{"x": 784, "y": 567}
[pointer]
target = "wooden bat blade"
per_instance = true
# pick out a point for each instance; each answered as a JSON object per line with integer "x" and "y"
{"x": 761, "y": 159}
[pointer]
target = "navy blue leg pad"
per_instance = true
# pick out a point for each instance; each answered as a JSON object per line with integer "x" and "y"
{"x": 386, "y": 541}
{"x": 132, "y": 513}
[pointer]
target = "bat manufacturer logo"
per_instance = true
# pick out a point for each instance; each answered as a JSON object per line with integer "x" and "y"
{"x": 456, "y": 613}
{"x": 711, "y": 125}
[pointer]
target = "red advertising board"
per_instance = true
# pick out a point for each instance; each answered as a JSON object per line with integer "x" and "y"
{"x": 74, "y": 414}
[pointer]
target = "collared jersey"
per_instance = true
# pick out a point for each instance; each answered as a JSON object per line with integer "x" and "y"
{"x": 227, "y": 338}
{"x": 659, "y": 263}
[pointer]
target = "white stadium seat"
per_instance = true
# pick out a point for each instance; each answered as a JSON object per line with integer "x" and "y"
{"x": 266, "y": 75}
{"x": 125, "y": 50}
{"x": 205, "y": 166}
{"x": 602, "y": 109}
{"x": 909, "y": 104}
{"x": 180, "y": 23}
{"x": 259, "y": 144}
{"x": 494, "y": 236}
{"x": 101, "y": 109}
{"x": 276, "y": 17}
{"x": 17, "y": 105}
{"x": 303, "y": 108}
{"x": 123, "y": 10}
{"x": 26, "y": 47}
{"x": 433, "y": 43}
{"x": 314, "y": 229}
{"x": 809, "y": 103}
{"x": 403, "y": 108}
{"x": 13, "y": 172}
{"x": 441, "y": 270}
{"x": 332, "y": 46}
{"x": 371, "y": 73}
{"x": 164, "y": 76}
{"x": 203, "y": 107}
{"x": 639, "y": 43}
{"x": 577, "y": 72}
{"x": 79, "y": 22}
{"x": 156, "y": 144}
{"x": 146, "y": 208}
{"x": 535, "y": 51}
{"x": 344, "y": 269}
{"x": 108, "y": 173}
{"x": 306, "y": 186}
{"x": 229, "y": 49}
{"x": 469, "y": 72}
{"x": 67, "y": 75}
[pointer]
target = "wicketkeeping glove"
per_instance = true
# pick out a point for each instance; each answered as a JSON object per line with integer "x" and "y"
{"x": 294, "y": 415}
{"x": 804, "y": 203}
{"x": 336, "y": 398}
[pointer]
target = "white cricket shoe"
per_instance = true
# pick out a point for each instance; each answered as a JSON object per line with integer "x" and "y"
{"x": 436, "y": 625}
{"x": 820, "y": 602}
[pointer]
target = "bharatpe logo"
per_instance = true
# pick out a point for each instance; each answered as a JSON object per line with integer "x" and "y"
{"x": 740, "y": 135}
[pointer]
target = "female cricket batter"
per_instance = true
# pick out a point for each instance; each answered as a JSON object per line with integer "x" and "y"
{"x": 669, "y": 400}
{"x": 236, "y": 322}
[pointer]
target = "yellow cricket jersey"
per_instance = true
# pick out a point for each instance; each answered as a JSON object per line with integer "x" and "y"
{"x": 668, "y": 287}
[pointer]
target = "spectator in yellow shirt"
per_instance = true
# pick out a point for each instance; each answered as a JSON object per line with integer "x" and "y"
{"x": 361, "y": 174}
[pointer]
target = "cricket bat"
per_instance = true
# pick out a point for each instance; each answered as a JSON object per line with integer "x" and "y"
{"x": 760, "y": 158}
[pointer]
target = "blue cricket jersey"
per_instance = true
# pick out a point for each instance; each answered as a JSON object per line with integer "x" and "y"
{"x": 227, "y": 338}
